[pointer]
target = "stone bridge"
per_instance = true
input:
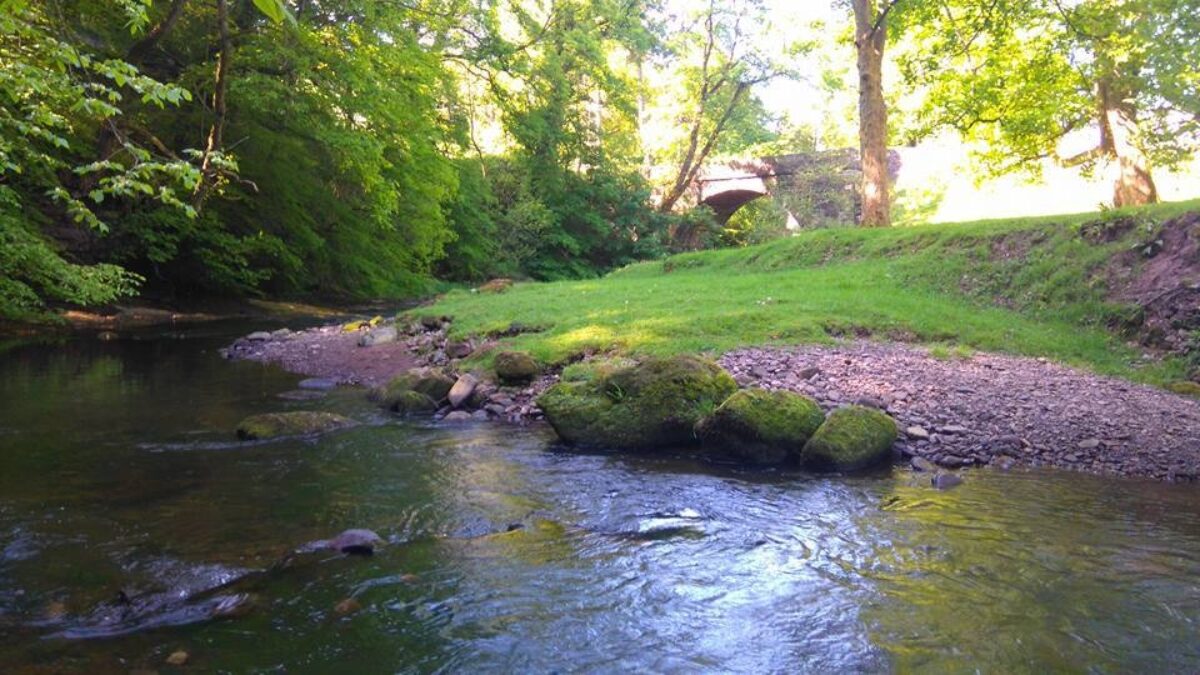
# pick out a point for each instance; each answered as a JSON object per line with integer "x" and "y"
{"x": 815, "y": 189}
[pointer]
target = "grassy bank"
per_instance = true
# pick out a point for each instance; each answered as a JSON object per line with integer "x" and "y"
{"x": 1034, "y": 287}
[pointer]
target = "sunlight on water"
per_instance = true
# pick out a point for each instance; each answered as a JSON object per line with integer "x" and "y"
{"x": 119, "y": 475}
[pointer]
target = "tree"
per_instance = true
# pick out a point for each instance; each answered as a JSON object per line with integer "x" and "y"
{"x": 870, "y": 38}
{"x": 720, "y": 51}
{"x": 1019, "y": 76}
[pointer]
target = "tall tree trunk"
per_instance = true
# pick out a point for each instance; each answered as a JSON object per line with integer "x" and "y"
{"x": 1118, "y": 129}
{"x": 208, "y": 173}
{"x": 869, "y": 38}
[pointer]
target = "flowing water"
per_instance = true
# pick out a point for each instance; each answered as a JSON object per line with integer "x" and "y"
{"x": 119, "y": 475}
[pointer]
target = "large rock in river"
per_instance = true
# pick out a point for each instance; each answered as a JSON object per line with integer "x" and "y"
{"x": 641, "y": 407}
{"x": 760, "y": 427}
{"x": 301, "y": 423}
{"x": 854, "y": 437}
{"x": 399, "y": 394}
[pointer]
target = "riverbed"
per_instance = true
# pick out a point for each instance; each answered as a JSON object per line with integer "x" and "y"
{"x": 119, "y": 473}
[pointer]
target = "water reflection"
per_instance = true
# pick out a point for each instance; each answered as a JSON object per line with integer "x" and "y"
{"x": 118, "y": 474}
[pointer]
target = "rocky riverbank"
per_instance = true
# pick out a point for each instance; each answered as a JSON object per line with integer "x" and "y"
{"x": 972, "y": 410}
{"x": 992, "y": 409}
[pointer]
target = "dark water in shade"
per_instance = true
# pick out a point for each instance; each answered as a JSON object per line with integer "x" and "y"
{"x": 117, "y": 472}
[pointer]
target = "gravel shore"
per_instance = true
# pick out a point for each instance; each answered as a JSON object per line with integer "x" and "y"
{"x": 985, "y": 409}
{"x": 990, "y": 408}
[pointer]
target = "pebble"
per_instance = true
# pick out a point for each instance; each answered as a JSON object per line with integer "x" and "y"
{"x": 918, "y": 433}
{"x": 178, "y": 658}
{"x": 347, "y": 606}
{"x": 945, "y": 481}
{"x": 923, "y": 465}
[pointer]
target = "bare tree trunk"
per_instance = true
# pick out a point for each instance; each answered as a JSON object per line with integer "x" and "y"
{"x": 693, "y": 161}
{"x": 1134, "y": 185}
{"x": 217, "y": 131}
{"x": 869, "y": 38}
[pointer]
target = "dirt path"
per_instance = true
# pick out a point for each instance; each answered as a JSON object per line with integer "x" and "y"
{"x": 992, "y": 408}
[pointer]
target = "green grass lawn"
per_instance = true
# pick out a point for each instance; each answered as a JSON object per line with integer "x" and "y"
{"x": 957, "y": 285}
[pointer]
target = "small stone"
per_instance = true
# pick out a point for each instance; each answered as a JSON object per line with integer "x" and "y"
{"x": 869, "y": 402}
{"x": 259, "y": 336}
{"x": 952, "y": 461}
{"x": 917, "y": 432}
{"x": 462, "y": 389}
{"x": 945, "y": 481}
{"x": 379, "y": 336}
{"x": 952, "y": 429}
{"x": 479, "y": 415}
{"x": 178, "y": 658}
{"x": 457, "y": 416}
{"x": 347, "y": 606}
{"x": 1089, "y": 444}
{"x": 459, "y": 349}
{"x": 320, "y": 383}
{"x": 923, "y": 465}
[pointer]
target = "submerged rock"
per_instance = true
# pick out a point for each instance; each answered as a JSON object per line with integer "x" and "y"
{"x": 358, "y": 541}
{"x": 515, "y": 367}
{"x": 655, "y": 403}
{"x": 759, "y": 426}
{"x": 851, "y": 438}
{"x": 300, "y": 423}
{"x": 945, "y": 481}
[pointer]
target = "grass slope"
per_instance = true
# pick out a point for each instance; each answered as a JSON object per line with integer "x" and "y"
{"x": 1029, "y": 286}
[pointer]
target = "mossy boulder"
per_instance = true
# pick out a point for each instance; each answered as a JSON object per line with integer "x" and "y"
{"x": 411, "y": 402}
{"x": 274, "y": 425}
{"x": 854, "y": 437}
{"x": 760, "y": 427}
{"x": 1185, "y": 388}
{"x": 428, "y": 382}
{"x": 653, "y": 404}
{"x": 515, "y": 367}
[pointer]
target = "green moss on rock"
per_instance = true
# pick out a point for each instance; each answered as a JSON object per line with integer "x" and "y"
{"x": 412, "y": 402}
{"x": 515, "y": 367}
{"x": 273, "y": 425}
{"x": 652, "y": 404}
{"x": 853, "y": 437}
{"x": 1184, "y": 387}
{"x": 397, "y": 394}
{"x": 760, "y": 427}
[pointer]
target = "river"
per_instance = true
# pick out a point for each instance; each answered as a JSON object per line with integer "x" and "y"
{"x": 119, "y": 474}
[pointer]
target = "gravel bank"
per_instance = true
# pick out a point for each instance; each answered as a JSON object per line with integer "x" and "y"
{"x": 993, "y": 409}
{"x": 982, "y": 410}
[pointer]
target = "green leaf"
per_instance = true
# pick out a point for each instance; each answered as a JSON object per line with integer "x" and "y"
{"x": 273, "y": 9}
